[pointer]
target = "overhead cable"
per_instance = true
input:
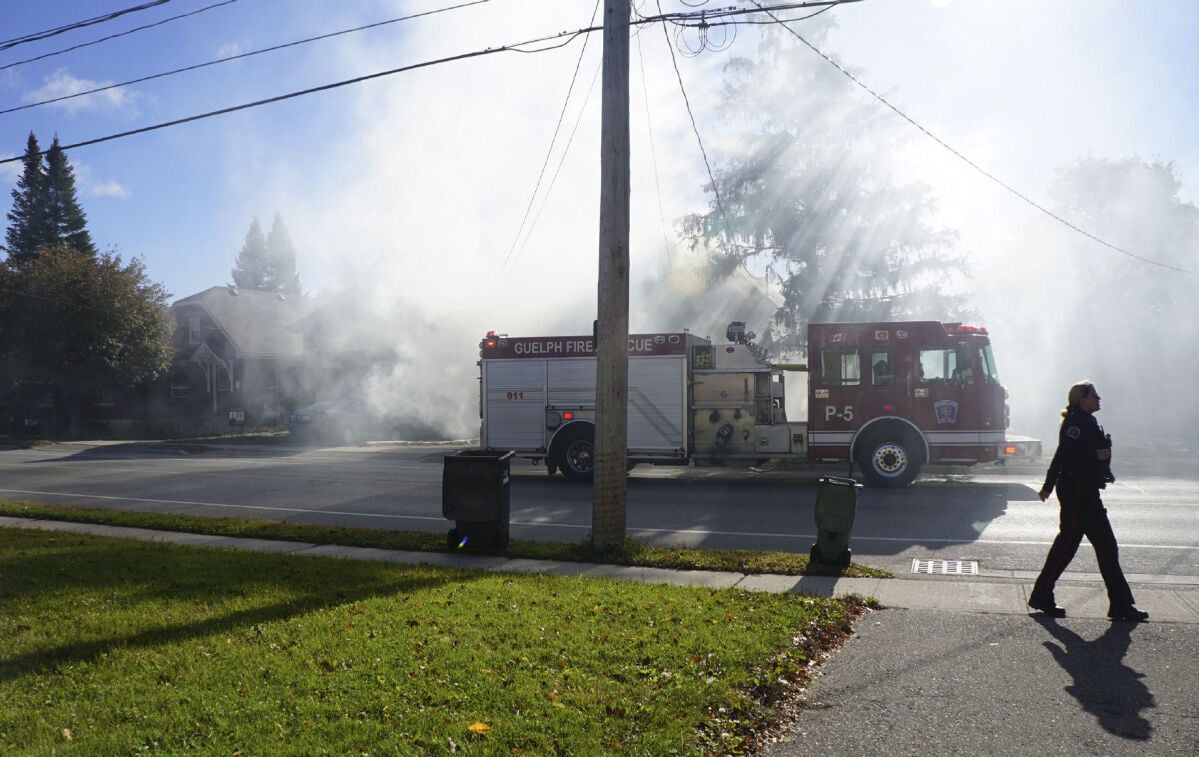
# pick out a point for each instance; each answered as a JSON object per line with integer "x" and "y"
{"x": 239, "y": 56}
{"x": 549, "y": 151}
{"x": 569, "y": 36}
{"x": 695, "y": 128}
{"x": 653, "y": 153}
{"x": 114, "y": 36}
{"x": 36, "y": 36}
{"x": 1012, "y": 190}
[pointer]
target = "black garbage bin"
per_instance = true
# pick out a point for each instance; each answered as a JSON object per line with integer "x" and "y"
{"x": 475, "y": 494}
{"x": 836, "y": 505}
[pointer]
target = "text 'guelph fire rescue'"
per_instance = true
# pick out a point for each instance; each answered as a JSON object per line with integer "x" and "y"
{"x": 557, "y": 347}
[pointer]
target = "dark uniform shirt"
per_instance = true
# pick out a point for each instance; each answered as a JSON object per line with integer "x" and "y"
{"x": 1078, "y": 440}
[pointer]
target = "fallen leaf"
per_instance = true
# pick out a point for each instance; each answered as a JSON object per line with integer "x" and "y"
{"x": 479, "y": 728}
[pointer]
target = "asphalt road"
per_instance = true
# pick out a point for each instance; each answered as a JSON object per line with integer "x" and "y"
{"x": 990, "y": 516}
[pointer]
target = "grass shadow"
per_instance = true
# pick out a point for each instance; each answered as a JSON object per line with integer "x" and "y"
{"x": 40, "y": 567}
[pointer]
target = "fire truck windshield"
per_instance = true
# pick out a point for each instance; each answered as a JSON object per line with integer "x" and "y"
{"x": 986, "y": 362}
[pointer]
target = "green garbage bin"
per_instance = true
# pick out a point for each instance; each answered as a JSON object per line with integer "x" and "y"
{"x": 836, "y": 505}
{"x": 475, "y": 494}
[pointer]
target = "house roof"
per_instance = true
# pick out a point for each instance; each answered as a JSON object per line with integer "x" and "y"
{"x": 255, "y": 321}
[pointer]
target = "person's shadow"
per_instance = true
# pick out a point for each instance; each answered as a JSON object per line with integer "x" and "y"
{"x": 1107, "y": 688}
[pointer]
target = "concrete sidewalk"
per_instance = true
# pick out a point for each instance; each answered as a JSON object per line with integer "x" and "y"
{"x": 1165, "y": 599}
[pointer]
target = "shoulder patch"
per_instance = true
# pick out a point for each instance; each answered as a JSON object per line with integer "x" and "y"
{"x": 1073, "y": 432}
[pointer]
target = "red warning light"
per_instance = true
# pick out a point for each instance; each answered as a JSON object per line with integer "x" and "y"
{"x": 958, "y": 328}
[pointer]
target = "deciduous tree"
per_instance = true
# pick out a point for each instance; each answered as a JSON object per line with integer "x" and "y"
{"x": 805, "y": 195}
{"x": 81, "y": 323}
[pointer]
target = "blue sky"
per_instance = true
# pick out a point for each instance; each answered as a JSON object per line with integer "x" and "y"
{"x": 1021, "y": 87}
{"x": 417, "y": 182}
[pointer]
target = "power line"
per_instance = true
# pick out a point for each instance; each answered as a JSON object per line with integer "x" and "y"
{"x": 695, "y": 128}
{"x": 561, "y": 159}
{"x": 569, "y": 36}
{"x": 114, "y": 36}
{"x": 36, "y": 36}
{"x": 653, "y": 153}
{"x": 962, "y": 157}
{"x": 549, "y": 151}
{"x": 239, "y": 56}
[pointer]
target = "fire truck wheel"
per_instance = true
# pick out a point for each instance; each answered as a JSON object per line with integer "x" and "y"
{"x": 576, "y": 454}
{"x": 889, "y": 460}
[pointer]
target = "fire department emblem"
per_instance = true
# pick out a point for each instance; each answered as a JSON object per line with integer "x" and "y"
{"x": 881, "y": 336}
{"x": 947, "y": 411}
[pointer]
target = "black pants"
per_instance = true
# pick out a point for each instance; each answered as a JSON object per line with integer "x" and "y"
{"x": 1083, "y": 514}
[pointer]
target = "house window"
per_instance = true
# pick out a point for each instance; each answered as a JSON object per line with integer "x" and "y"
{"x": 195, "y": 334}
{"x": 222, "y": 380}
{"x": 104, "y": 398}
{"x": 180, "y": 388}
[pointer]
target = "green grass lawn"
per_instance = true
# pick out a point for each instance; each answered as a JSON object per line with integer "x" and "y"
{"x": 119, "y": 647}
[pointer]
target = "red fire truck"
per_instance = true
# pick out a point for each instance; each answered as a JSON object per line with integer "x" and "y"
{"x": 888, "y": 396}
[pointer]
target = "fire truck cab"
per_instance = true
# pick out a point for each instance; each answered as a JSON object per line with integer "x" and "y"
{"x": 894, "y": 396}
{"x": 889, "y": 396}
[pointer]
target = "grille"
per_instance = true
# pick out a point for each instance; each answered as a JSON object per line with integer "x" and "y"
{"x": 946, "y": 567}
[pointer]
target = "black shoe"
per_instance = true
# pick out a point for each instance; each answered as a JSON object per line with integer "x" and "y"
{"x": 1051, "y": 609}
{"x": 1127, "y": 613}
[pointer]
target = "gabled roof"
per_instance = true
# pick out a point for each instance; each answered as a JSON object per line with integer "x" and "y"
{"x": 256, "y": 322}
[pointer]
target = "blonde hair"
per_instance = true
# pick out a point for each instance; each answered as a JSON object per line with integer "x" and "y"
{"x": 1077, "y": 394}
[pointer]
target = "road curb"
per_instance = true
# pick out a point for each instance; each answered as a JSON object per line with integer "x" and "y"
{"x": 1082, "y": 599}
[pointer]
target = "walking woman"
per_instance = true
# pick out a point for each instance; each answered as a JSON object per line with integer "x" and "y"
{"x": 1081, "y": 466}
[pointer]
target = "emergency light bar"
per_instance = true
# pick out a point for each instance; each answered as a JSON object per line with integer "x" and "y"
{"x": 957, "y": 328}
{"x": 493, "y": 340}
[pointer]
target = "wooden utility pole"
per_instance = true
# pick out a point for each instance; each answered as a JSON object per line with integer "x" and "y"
{"x": 609, "y": 500}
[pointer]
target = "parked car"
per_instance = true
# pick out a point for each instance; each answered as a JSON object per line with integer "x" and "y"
{"x": 348, "y": 420}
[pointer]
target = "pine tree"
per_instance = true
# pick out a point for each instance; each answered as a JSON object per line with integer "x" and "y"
{"x": 253, "y": 262}
{"x": 29, "y": 221}
{"x": 68, "y": 221}
{"x": 281, "y": 257}
{"x": 46, "y": 212}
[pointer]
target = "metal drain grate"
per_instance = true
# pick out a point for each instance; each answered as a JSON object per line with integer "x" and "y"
{"x": 946, "y": 567}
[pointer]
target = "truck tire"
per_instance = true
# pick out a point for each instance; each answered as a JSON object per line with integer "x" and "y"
{"x": 889, "y": 460}
{"x": 576, "y": 454}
